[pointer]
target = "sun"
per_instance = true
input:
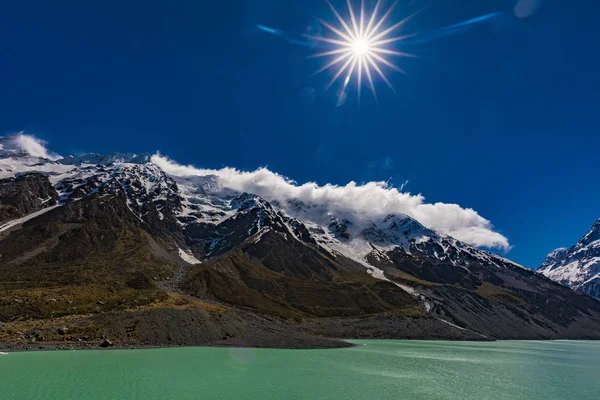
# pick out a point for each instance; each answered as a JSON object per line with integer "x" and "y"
{"x": 361, "y": 45}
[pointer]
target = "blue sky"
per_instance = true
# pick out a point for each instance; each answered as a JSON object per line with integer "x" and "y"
{"x": 501, "y": 118}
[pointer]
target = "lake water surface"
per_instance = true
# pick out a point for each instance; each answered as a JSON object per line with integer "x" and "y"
{"x": 375, "y": 369}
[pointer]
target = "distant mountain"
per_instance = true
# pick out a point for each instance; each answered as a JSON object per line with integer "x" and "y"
{"x": 112, "y": 246}
{"x": 577, "y": 267}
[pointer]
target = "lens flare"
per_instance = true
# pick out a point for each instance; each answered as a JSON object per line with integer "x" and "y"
{"x": 360, "y": 45}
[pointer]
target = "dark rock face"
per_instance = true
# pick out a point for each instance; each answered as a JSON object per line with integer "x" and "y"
{"x": 25, "y": 194}
{"x": 340, "y": 229}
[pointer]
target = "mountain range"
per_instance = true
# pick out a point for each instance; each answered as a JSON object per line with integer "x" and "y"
{"x": 112, "y": 250}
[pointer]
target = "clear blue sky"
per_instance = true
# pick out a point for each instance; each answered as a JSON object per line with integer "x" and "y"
{"x": 502, "y": 117}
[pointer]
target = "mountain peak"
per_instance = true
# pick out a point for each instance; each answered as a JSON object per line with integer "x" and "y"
{"x": 579, "y": 265}
{"x": 555, "y": 257}
{"x": 592, "y": 235}
{"x": 247, "y": 201}
{"x": 405, "y": 223}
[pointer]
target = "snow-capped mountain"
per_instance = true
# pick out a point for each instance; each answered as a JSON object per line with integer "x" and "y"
{"x": 283, "y": 256}
{"x": 215, "y": 219}
{"x": 578, "y": 266}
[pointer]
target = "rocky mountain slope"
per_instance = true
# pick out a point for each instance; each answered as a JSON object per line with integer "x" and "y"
{"x": 577, "y": 267}
{"x": 112, "y": 246}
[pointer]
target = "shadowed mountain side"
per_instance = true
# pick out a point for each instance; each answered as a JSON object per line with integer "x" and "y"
{"x": 290, "y": 279}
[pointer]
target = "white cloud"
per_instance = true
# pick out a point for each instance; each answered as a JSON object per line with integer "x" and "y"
{"x": 369, "y": 200}
{"x": 31, "y": 145}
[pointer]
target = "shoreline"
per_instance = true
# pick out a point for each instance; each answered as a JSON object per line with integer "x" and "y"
{"x": 8, "y": 348}
{"x": 168, "y": 328}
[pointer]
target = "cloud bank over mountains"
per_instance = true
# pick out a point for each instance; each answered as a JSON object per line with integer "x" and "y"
{"x": 370, "y": 200}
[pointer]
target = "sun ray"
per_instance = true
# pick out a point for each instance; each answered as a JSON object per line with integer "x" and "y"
{"x": 341, "y": 70}
{"x": 339, "y": 17}
{"x": 372, "y": 19}
{"x": 391, "y": 52}
{"x": 360, "y": 61}
{"x": 393, "y": 27}
{"x": 380, "y": 72}
{"x": 331, "y": 53}
{"x": 335, "y": 30}
{"x": 359, "y": 44}
{"x": 382, "y": 20}
{"x": 334, "y": 62}
{"x": 353, "y": 18}
{"x": 371, "y": 85}
{"x": 386, "y": 62}
{"x": 332, "y": 41}
{"x": 391, "y": 40}
{"x": 362, "y": 18}
{"x": 352, "y": 67}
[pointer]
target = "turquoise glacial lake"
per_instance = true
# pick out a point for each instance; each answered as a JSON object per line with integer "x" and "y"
{"x": 373, "y": 370}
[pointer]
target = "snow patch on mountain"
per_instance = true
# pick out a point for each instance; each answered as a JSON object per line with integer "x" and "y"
{"x": 11, "y": 166}
{"x": 188, "y": 258}
{"x": 19, "y": 221}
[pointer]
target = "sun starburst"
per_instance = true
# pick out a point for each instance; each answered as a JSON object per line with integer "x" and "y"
{"x": 360, "y": 45}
